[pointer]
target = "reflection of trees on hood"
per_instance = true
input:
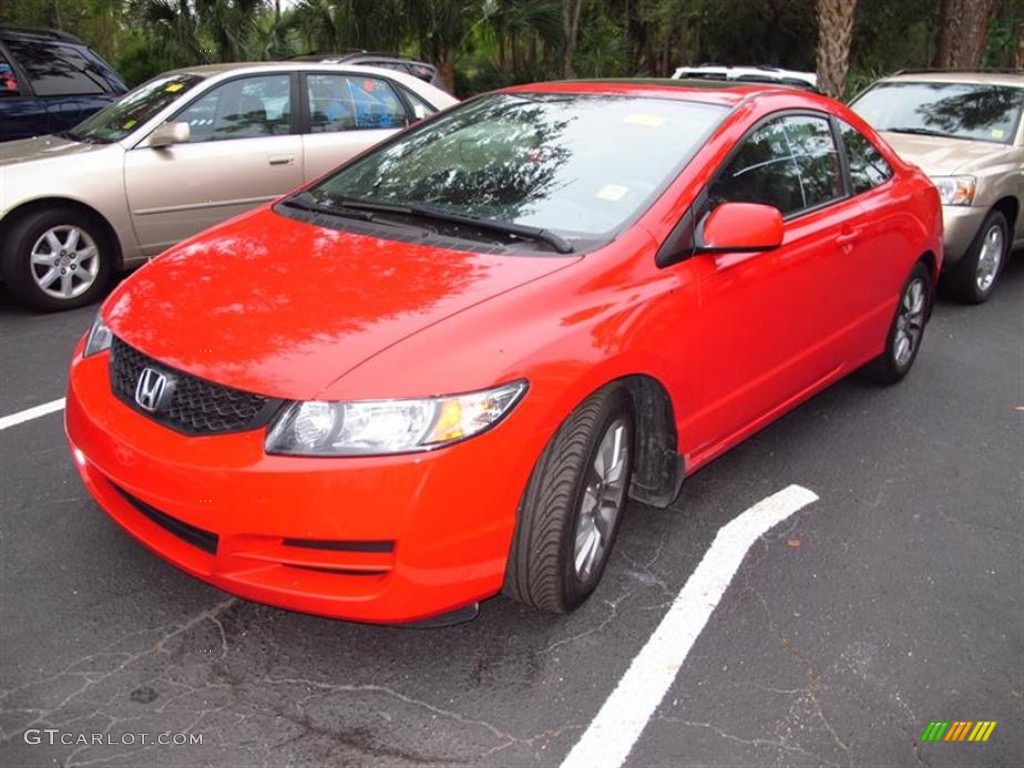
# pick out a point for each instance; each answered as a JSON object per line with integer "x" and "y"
{"x": 979, "y": 108}
{"x": 497, "y": 161}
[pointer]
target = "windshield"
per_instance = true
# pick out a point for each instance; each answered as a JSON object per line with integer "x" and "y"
{"x": 577, "y": 165}
{"x": 958, "y": 110}
{"x": 119, "y": 119}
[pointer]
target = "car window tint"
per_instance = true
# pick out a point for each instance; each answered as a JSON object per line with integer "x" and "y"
{"x": 790, "y": 163}
{"x": 8, "y": 81}
{"x": 348, "y": 102}
{"x": 868, "y": 169}
{"x": 241, "y": 109}
{"x": 58, "y": 70}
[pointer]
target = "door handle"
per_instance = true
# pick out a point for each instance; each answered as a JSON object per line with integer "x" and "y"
{"x": 848, "y": 238}
{"x": 281, "y": 159}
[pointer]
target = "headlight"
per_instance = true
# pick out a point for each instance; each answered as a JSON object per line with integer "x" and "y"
{"x": 99, "y": 337}
{"x": 368, "y": 427}
{"x": 956, "y": 190}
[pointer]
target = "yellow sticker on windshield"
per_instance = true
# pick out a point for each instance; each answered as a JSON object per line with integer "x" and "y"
{"x": 612, "y": 192}
{"x": 650, "y": 121}
{"x": 998, "y": 133}
{"x": 174, "y": 87}
{"x": 129, "y": 124}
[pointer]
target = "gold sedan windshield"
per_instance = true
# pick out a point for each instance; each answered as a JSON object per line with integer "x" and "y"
{"x": 133, "y": 109}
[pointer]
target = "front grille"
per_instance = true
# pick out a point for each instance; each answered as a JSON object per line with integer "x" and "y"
{"x": 197, "y": 537}
{"x": 196, "y": 406}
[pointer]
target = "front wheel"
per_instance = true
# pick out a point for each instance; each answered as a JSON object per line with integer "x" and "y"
{"x": 974, "y": 278}
{"x": 571, "y": 509}
{"x": 907, "y": 329}
{"x": 56, "y": 259}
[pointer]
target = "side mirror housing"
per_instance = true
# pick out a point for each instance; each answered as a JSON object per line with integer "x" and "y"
{"x": 170, "y": 133}
{"x": 740, "y": 227}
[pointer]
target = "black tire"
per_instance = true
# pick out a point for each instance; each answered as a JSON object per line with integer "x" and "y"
{"x": 973, "y": 279}
{"x": 908, "y": 324}
{"x": 542, "y": 565}
{"x": 87, "y": 266}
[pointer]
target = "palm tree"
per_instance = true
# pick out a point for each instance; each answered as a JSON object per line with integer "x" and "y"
{"x": 835, "y": 31}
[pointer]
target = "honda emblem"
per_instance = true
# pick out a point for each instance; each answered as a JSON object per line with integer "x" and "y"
{"x": 153, "y": 390}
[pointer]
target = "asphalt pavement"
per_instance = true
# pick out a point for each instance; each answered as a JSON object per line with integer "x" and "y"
{"x": 893, "y": 601}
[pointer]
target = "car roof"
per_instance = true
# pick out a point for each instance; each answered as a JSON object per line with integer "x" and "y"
{"x": 1011, "y": 78}
{"x": 209, "y": 70}
{"x": 724, "y": 92}
{"x": 38, "y": 34}
{"x": 212, "y": 70}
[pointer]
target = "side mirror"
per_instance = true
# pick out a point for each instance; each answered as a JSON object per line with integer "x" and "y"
{"x": 170, "y": 133}
{"x": 738, "y": 227}
{"x": 419, "y": 111}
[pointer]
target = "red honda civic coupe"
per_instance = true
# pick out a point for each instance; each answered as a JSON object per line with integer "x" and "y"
{"x": 438, "y": 373}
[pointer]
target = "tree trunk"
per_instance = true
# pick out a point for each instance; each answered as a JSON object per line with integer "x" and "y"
{"x": 835, "y": 31}
{"x": 446, "y": 66}
{"x": 571, "y": 10}
{"x": 963, "y": 29}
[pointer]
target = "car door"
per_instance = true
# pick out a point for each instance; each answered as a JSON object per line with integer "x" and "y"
{"x": 773, "y": 323}
{"x": 347, "y": 114}
{"x": 243, "y": 151}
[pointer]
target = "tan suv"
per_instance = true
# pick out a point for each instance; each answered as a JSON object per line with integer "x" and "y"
{"x": 965, "y": 130}
{"x": 178, "y": 154}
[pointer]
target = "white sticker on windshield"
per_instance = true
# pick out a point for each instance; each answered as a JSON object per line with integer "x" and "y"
{"x": 613, "y": 192}
{"x": 650, "y": 121}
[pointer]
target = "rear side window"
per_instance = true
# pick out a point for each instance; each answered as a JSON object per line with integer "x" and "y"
{"x": 59, "y": 70}
{"x": 347, "y": 102}
{"x": 868, "y": 169}
{"x": 791, "y": 163}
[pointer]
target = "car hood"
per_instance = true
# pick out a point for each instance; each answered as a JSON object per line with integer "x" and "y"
{"x": 283, "y": 308}
{"x": 43, "y": 148}
{"x": 939, "y": 156}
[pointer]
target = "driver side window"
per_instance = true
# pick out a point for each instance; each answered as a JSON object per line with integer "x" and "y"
{"x": 790, "y": 163}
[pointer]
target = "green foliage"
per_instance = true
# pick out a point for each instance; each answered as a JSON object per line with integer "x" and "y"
{"x": 138, "y": 60}
{"x": 483, "y": 44}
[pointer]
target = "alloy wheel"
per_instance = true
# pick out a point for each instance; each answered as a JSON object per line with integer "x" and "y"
{"x": 604, "y": 496}
{"x": 910, "y": 322}
{"x": 65, "y": 261}
{"x": 989, "y": 259}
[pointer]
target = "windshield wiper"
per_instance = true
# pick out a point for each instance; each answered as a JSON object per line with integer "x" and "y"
{"x": 559, "y": 243}
{"x": 304, "y": 201}
{"x": 922, "y": 132}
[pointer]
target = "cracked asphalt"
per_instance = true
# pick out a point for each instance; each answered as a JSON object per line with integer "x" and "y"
{"x": 893, "y": 601}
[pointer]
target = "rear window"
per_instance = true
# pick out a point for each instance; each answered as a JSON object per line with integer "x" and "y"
{"x": 955, "y": 110}
{"x": 61, "y": 70}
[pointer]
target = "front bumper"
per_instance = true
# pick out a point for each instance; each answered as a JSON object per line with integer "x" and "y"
{"x": 375, "y": 539}
{"x": 960, "y": 225}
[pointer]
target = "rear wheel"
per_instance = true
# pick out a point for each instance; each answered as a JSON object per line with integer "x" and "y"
{"x": 974, "y": 278}
{"x": 906, "y": 330}
{"x": 570, "y": 513}
{"x": 58, "y": 258}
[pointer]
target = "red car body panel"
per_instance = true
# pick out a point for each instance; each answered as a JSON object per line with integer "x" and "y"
{"x": 291, "y": 310}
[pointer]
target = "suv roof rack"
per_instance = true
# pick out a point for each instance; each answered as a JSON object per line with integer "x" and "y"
{"x": 45, "y": 32}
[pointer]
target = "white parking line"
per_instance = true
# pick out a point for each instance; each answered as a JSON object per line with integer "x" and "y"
{"x": 609, "y": 739}
{"x": 31, "y": 413}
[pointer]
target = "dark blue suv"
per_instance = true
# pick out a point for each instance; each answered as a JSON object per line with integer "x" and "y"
{"x": 49, "y": 82}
